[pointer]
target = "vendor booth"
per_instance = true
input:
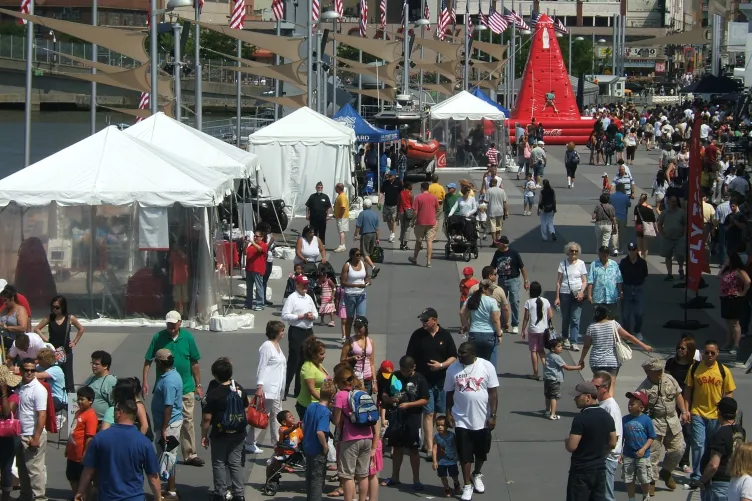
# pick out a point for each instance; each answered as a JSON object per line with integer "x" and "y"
{"x": 300, "y": 150}
{"x": 118, "y": 227}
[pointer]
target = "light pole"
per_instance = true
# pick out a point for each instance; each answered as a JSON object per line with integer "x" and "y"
{"x": 600, "y": 42}
{"x": 333, "y": 16}
{"x": 153, "y": 52}
{"x": 177, "y": 28}
{"x": 421, "y": 23}
{"x": 578, "y": 39}
{"x": 95, "y": 58}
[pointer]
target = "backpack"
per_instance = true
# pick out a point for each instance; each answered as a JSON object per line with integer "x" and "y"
{"x": 737, "y": 438}
{"x": 234, "y": 419}
{"x": 363, "y": 410}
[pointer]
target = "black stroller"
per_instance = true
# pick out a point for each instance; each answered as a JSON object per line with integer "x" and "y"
{"x": 312, "y": 270}
{"x": 462, "y": 237}
{"x": 287, "y": 463}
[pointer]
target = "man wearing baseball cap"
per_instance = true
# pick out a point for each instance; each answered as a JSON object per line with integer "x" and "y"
{"x": 714, "y": 464}
{"x": 509, "y": 267}
{"x": 182, "y": 346}
{"x": 592, "y": 435}
{"x": 299, "y": 311}
{"x": 391, "y": 189}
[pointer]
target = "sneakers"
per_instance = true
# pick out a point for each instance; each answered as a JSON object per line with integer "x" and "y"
{"x": 575, "y": 347}
{"x": 341, "y": 248}
{"x": 477, "y": 479}
{"x": 253, "y": 449}
{"x": 733, "y": 351}
{"x": 567, "y": 345}
{"x": 412, "y": 260}
{"x": 467, "y": 493}
{"x": 515, "y": 330}
{"x": 391, "y": 237}
{"x": 554, "y": 417}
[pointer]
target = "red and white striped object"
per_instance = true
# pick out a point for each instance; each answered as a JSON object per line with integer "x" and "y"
{"x": 496, "y": 22}
{"x": 444, "y": 18}
{"x": 427, "y": 14}
{"x": 25, "y": 6}
{"x": 237, "y": 18}
{"x": 278, "y": 8}
{"x": 143, "y": 104}
{"x": 468, "y": 20}
{"x": 315, "y": 10}
{"x": 363, "y": 25}
{"x": 382, "y": 13}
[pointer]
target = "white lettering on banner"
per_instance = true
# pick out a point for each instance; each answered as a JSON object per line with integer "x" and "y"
{"x": 552, "y": 132}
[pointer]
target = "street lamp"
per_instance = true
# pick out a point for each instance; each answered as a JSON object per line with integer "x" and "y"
{"x": 600, "y": 42}
{"x": 421, "y": 23}
{"x": 153, "y": 53}
{"x": 333, "y": 16}
{"x": 526, "y": 32}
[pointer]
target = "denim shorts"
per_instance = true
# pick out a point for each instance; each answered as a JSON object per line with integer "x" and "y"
{"x": 355, "y": 304}
{"x": 436, "y": 400}
{"x": 448, "y": 471}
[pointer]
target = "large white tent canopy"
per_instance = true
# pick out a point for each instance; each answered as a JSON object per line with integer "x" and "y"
{"x": 113, "y": 168}
{"x": 300, "y": 150}
{"x": 186, "y": 142}
{"x": 465, "y": 106}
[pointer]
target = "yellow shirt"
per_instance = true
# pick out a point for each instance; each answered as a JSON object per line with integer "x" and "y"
{"x": 708, "y": 387}
{"x": 341, "y": 207}
{"x": 438, "y": 191}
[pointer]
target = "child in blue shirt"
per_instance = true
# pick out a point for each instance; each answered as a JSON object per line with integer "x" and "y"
{"x": 315, "y": 441}
{"x": 639, "y": 434}
{"x": 444, "y": 455}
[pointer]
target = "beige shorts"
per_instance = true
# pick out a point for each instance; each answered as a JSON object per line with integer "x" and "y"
{"x": 637, "y": 470}
{"x": 354, "y": 458}
{"x": 180, "y": 293}
{"x": 343, "y": 225}
{"x": 424, "y": 231}
{"x": 496, "y": 223}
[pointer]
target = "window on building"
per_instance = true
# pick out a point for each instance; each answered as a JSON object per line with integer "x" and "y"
{"x": 602, "y": 21}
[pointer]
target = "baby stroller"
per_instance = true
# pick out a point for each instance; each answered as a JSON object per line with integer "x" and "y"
{"x": 312, "y": 270}
{"x": 462, "y": 237}
{"x": 290, "y": 463}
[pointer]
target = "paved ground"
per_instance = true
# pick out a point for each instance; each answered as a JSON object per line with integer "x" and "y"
{"x": 526, "y": 447}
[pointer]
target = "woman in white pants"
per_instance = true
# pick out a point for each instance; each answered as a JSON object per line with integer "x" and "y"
{"x": 604, "y": 217}
{"x": 546, "y": 211}
{"x": 270, "y": 382}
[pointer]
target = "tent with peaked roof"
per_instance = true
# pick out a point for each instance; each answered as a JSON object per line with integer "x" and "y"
{"x": 477, "y": 92}
{"x": 300, "y": 150}
{"x": 464, "y": 106}
{"x": 364, "y": 131}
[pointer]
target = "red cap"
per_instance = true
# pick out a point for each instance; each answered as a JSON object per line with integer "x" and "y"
{"x": 468, "y": 271}
{"x": 301, "y": 279}
{"x": 639, "y": 395}
{"x": 386, "y": 366}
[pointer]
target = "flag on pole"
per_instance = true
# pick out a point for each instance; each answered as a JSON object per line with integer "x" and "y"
{"x": 534, "y": 19}
{"x": 237, "y": 18}
{"x": 143, "y": 104}
{"x": 482, "y": 19}
{"x": 696, "y": 260}
{"x": 468, "y": 20}
{"x": 444, "y": 18}
{"x": 382, "y": 13}
{"x": 315, "y": 10}
{"x": 200, "y": 5}
{"x": 515, "y": 18}
{"x": 427, "y": 14}
{"x": 453, "y": 12}
{"x": 25, "y": 6}
{"x": 559, "y": 27}
{"x": 339, "y": 7}
{"x": 363, "y": 17}
{"x": 496, "y": 22}
{"x": 278, "y": 7}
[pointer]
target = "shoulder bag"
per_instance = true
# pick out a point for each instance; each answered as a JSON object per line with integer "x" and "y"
{"x": 648, "y": 229}
{"x": 10, "y": 427}
{"x": 571, "y": 292}
{"x": 256, "y": 414}
{"x": 621, "y": 349}
{"x": 61, "y": 352}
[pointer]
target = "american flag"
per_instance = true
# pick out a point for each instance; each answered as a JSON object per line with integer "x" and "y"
{"x": 237, "y": 18}
{"x": 444, "y": 18}
{"x": 382, "y": 13}
{"x": 25, "y": 6}
{"x": 483, "y": 20}
{"x": 427, "y": 13}
{"x": 143, "y": 104}
{"x": 515, "y": 18}
{"x": 315, "y": 10}
{"x": 200, "y": 5}
{"x": 453, "y": 12}
{"x": 363, "y": 17}
{"x": 496, "y": 22}
{"x": 468, "y": 20}
{"x": 278, "y": 7}
{"x": 560, "y": 27}
{"x": 148, "y": 16}
{"x": 339, "y": 7}
{"x": 534, "y": 19}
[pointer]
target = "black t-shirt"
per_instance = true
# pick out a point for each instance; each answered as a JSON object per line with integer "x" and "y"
{"x": 414, "y": 388}
{"x": 424, "y": 347}
{"x": 318, "y": 204}
{"x": 594, "y": 425}
{"x": 391, "y": 190}
{"x": 215, "y": 403}
{"x": 722, "y": 443}
{"x": 508, "y": 263}
{"x": 644, "y": 214}
{"x": 678, "y": 371}
{"x": 633, "y": 273}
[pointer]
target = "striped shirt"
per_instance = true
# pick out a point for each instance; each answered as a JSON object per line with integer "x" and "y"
{"x": 602, "y": 353}
{"x": 493, "y": 156}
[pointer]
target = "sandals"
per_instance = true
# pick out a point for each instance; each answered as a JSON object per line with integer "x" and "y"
{"x": 336, "y": 493}
{"x": 533, "y": 376}
{"x": 389, "y": 483}
{"x": 331, "y": 324}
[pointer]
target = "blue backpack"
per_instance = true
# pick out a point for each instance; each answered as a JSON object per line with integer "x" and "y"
{"x": 234, "y": 419}
{"x": 363, "y": 410}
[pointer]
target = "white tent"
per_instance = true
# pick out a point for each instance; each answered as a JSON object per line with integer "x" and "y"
{"x": 113, "y": 168}
{"x": 300, "y": 150}
{"x": 186, "y": 142}
{"x": 465, "y": 106}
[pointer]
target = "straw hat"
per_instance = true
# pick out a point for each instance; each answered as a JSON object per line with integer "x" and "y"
{"x": 7, "y": 377}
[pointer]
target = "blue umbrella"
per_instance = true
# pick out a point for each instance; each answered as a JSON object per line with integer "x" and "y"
{"x": 482, "y": 95}
{"x": 364, "y": 131}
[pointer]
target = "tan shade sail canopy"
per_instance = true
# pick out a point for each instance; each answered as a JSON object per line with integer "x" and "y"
{"x": 449, "y": 69}
{"x": 492, "y": 49}
{"x": 137, "y": 79}
{"x": 126, "y": 42}
{"x": 389, "y": 51}
{"x": 385, "y": 73}
{"x": 284, "y": 72}
{"x": 448, "y": 51}
{"x": 384, "y": 94}
{"x": 698, "y": 36}
{"x": 287, "y": 47}
{"x": 490, "y": 67}
{"x": 107, "y": 68}
{"x": 486, "y": 84}
{"x": 291, "y": 101}
{"x": 445, "y": 88}
{"x": 168, "y": 110}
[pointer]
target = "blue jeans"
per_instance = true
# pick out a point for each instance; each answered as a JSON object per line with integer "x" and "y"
{"x": 436, "y": 399}
{"x": 255, "y": 293}
{"x": 702, "y": 430}
{"x": 610, "y": 474}
{"x": 715, "y": 491}
{"x": 355, "y": 304}
{"x": 633, "y": 304}
{"x": 511, "y": 288}
{"x": 486, "y": 345}
{"x": 571, "y": 310}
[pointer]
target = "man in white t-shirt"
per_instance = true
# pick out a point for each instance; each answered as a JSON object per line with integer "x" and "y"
{"x": 471, "y": 402}
{"x": 26, "y": 346}
{"x": 602, "y": 381}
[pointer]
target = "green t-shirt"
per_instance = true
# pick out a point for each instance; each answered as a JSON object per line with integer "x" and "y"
{"x": 449, "y": 202}
{"x": 183, "y": 349}
{"x": 102, "y": 387}
{"x": 310, "y": 371}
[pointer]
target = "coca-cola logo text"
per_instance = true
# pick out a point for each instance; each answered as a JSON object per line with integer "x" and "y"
{"x": 552, "y": 132}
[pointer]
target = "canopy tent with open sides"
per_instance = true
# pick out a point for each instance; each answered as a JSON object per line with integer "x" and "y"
{"x": 465, "y": 106}
{"x": 102, "y": 221}
{"x": 300, "y": 150}
{"x": 364, "y": 131}
{"x": 477, "y": 92}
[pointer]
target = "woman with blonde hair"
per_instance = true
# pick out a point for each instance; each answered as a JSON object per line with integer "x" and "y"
{"x": 740, "y": 471}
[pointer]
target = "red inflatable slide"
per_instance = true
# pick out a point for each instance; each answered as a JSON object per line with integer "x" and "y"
{"x": 546, "y": 93}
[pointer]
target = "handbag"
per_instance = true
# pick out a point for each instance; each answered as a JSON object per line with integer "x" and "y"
{"x": 571, "y": 292}
{"x": 61, "y": 353}
{"x": 377, "y": 254}
{"x": 647, "y": 229}
{"x": 621, "y": 349}
{"x": 409, "y": 214}
{"x": 10, "y": 427}
{"x": 256, "y": 414}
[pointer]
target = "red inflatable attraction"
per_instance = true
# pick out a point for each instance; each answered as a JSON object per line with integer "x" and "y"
{"x": 546, "y": 93}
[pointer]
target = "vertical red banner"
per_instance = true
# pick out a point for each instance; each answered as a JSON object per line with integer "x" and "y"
{"x": 696, "y": 245}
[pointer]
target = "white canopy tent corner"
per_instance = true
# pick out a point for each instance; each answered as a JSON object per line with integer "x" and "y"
{"x": 300, "y": 150}
{"x": 81, "y": 217}
{"x": 465, "y": 106}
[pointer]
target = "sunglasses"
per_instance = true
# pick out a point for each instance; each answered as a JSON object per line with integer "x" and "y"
{"x": 55, "y": 308}
{"x": 711, "y": 352}
{"x": 574, "y": 251}
{"x": 24, "y": 369}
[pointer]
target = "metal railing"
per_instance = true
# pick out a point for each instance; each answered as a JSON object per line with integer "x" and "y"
{"x": 225, "y": 129}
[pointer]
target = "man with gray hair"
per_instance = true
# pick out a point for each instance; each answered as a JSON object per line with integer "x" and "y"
{"x": 367, "y": 227}
{"x": 664, "y": 397}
